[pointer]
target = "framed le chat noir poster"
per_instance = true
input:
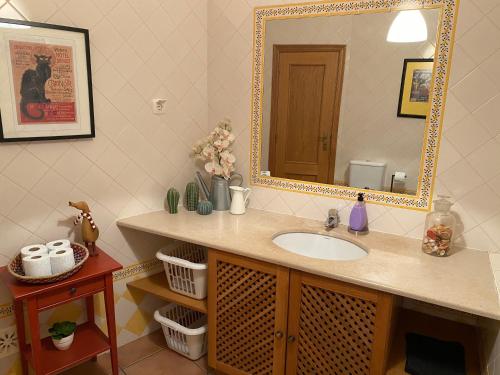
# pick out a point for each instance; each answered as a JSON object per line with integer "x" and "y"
{"x": 45, "y": 82}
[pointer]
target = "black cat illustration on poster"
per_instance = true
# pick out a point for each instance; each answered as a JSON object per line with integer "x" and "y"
{"x": 33, "y": 86}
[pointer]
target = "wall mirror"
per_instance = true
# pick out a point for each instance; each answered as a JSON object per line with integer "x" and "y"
{"x": 348, "y": 96}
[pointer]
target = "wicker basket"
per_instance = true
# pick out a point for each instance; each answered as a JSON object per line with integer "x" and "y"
{"x": 81, "y": 254}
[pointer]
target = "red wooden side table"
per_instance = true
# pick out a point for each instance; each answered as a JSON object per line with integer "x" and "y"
{"x": 95, "y": 276}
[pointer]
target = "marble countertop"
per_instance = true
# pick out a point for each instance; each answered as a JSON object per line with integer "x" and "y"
{"x": 463, "y": 281}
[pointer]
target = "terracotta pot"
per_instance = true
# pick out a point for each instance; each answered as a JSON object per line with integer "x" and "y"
{"x": 64, "y": 343}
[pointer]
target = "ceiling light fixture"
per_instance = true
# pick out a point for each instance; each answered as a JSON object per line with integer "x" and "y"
{"x": 409, "y": 26}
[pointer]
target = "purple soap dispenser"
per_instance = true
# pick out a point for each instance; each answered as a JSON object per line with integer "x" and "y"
{"x": 358, "y": 221}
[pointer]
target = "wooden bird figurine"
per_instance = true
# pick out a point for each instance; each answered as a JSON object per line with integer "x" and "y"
{"x": 90, "y": 232}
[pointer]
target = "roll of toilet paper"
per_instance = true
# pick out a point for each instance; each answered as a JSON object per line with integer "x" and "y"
{"x": 61, "y": 260}
{"x": 34, "y": 250}
{"x": 399, "y": 176}
{"x": 58, "y": 244}
{"x": 37, "y": 265}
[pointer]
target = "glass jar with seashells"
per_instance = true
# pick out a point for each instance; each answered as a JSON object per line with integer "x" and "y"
{"x": 439, "y": 229}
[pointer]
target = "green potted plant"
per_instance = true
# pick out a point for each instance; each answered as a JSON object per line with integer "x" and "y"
{"x": 63, "y": 334}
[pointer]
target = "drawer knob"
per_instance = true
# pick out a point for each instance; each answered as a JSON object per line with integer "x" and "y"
{"x": 72, "y": 290}
{"x": 279, "y": 334}
{"x": 291, "y": 338}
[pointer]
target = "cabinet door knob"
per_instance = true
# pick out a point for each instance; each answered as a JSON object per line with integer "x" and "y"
{"x": 291, "y": 338}
{"x": 72, "y": 290}
{"x": 279, "y": 334}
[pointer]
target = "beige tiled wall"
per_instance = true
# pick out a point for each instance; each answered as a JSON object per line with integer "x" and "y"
{"x": 140, "y": 49}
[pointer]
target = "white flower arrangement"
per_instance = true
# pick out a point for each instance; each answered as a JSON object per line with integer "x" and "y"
{"x": 215, "y": 150}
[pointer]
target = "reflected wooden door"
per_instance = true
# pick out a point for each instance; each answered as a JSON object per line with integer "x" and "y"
{"x": 306, "y": 93}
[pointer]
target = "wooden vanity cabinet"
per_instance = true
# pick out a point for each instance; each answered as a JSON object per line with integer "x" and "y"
{"x": 336, "y": 328}
{"x": 268, "y": 319}
{"x": 247, "y": 315}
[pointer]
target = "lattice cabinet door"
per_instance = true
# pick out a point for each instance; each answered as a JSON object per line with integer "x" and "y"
{"x": 336, "y": 328}
{"x": 247, "y": 314}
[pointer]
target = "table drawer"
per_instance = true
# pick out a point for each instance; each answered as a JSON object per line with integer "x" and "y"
{"x": 70, "y": 292}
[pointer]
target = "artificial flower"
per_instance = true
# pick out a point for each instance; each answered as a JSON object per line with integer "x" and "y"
{"x": 215, "y": 150}
{"x": 214, "y": 168}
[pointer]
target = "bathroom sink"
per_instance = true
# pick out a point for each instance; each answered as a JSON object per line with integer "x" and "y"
{"x": 319, "y": 246}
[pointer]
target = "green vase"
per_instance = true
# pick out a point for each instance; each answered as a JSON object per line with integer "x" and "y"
{"x": 173, "y": 200}
{"x": 204, "y": 208}
{"x": 192, "y": 196}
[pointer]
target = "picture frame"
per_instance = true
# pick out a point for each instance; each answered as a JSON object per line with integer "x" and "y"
{"x": 414, "y": 96}
{"x": 47, "y": 82}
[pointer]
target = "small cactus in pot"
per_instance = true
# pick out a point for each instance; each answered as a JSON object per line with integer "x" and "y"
{"x": 205, "y": 208}
{"x": 173, "y": 197}
{"x": 192, "y": 196}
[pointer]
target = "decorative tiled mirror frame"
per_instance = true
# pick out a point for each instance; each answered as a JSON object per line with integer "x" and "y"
{"x": 432, "y": 134}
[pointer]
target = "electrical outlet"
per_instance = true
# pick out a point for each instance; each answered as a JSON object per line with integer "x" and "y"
{"x": 159, "y": 106}
{"x": 8, "y": 342}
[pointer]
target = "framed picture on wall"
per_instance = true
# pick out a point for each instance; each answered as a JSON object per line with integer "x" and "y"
{"x": 414, "y": 97}
{"x": 46, "y": 83}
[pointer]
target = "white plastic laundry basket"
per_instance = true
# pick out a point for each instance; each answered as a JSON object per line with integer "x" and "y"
{"x": 185, "y": 330}
{"x": 186, "y": 268}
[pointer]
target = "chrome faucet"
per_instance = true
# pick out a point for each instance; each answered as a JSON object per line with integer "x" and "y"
{"x": 333, "y": 220}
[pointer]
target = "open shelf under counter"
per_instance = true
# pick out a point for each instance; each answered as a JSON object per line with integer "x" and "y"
{"x": 89, "y": 342}
{"x": 438, "y": 328}
{"x": 157, "y": 285}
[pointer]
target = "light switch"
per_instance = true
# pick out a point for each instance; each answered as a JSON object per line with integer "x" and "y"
{"x": 159, "y": 106}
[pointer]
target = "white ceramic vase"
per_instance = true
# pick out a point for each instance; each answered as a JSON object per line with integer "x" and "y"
{"x": 64, "y": 343}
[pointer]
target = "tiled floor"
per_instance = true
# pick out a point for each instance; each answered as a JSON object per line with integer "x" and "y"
{"x": 148, "y": 355}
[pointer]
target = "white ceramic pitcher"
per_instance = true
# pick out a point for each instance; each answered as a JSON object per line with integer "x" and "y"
{"x": 239, "y": 199}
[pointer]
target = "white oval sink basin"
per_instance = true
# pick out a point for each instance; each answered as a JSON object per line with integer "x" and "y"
{"x": 319, "y": 246}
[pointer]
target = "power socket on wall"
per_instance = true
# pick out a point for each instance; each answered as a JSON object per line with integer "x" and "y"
{"x": 159, "y": 106}
{"x": 8, "y": 341}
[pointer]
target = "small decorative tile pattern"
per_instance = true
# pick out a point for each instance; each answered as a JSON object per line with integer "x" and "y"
{"x": 422, "y": 200}
{"x": 6, "y": 310}
{"x": 8, "y": 341}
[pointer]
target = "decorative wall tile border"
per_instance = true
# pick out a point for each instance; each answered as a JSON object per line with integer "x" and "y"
{"x": 135, "y": 269}
{"x": 422, "y": 200}
{"x": 7, "y": 310}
